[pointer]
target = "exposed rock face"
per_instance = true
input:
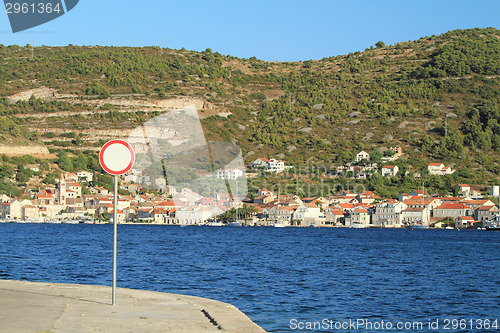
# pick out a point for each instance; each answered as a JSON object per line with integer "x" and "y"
{"x": 169, "y": 104}
{"x": 42, "y": 92}
{"x": 23, "y": 150}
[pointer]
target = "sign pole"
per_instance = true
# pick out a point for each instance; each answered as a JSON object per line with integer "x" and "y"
{"x": 116, "y": 158}
{"x": 115, "y": 231}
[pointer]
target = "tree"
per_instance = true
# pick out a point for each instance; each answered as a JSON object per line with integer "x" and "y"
{"x": 375, "y": 156}
{"x": 6, "y": 171}
{"x": 65, "y": 162}
{"x": 379, "y": 44}
{"x": 22, "y": 174}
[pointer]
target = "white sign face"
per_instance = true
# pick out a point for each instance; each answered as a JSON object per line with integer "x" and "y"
{"x": 117, "y": 157}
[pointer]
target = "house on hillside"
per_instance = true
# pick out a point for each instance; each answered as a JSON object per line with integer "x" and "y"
{"x": 419, "y": 193}
{"x": 367, "y": 197}
{"x": 230, "y": 174}
{"x": 85, "y": 176}
{"x": 390, "y": 170}
{"x": 470, "y": 191}
{"x": 70, "y": 177}
{"x": 397, "y": 149}
{"x": 32, "y": 167}
{"x": 362, "y": 155}
{"x": 74, "y": 187}
{"x": 439, "y": 169}
{"x": 263, "y": 199}
{"x": 100, "y": 190}
{"x": 269, "y": 165}
{"x": 264, "y": 191}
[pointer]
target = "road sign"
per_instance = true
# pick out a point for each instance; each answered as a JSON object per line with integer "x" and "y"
{"x": 117, "y": 157}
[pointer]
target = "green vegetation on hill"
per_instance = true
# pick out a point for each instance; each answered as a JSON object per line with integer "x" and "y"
{"x": 436, "y": 97}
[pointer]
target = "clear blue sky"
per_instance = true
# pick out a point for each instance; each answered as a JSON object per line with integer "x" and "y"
{"x": 270, "y": 30}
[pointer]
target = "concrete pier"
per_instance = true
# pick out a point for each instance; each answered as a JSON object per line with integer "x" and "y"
{"x": 52, "y": 307}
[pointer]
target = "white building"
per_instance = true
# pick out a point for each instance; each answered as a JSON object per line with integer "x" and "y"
{"x": 495, "y": 190}
{"x": 32, "y": 167}
{"x": 359, "y": 218}
{"x": 439, "y": 169}
{"x": 75, "y": 187}
{"x": 269, "y": 165}
{"x": 13, "y": 209}
{"x": 390, "y": 170}
{"x": 470, "y": 191}
{"x": 307, "y": 214}
{"x": 196, "y": 214}
{"x": 416, "y": 215}
{"x": 388, "y": 213}
{"x": 362, "y": 155}
{"x": 229, "y": 174}
{"x": 85, "y": 176}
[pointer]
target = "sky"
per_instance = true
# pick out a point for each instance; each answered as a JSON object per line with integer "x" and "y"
{"x": 272, "y": 30}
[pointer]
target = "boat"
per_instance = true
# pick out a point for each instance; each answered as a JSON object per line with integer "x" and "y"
{"x": 419, "y": 226}
{"x": 278, "y": 225}
{"x": 492, "y": 228}
{"x": 234, "y": 224}
{"x": 214, "y": 224}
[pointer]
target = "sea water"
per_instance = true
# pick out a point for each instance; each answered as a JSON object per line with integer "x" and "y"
{"x": 284, "y": 279}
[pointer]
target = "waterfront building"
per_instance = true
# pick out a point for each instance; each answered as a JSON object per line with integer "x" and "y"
{"x": 388, "y": 213}
{"x": 452, "y": 209}
{"x": 307, "y": 214}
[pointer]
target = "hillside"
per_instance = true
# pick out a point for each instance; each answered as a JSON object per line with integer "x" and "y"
{"x": 437, "y": 98}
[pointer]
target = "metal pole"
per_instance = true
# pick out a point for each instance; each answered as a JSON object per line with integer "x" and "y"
{"x": 115, "y": 229}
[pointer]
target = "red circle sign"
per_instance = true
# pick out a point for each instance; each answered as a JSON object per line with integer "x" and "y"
{"x": 116, "y": 157}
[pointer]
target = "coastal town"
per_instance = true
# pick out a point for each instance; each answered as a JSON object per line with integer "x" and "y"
{"x": 67, "y": 203}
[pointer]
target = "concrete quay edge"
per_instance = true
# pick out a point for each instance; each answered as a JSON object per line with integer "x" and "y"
{"x": 43, "y": 307}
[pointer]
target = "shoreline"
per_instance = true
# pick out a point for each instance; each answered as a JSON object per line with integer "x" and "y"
{"x": 57, "y": 307}
{"x": 244, "y": 226}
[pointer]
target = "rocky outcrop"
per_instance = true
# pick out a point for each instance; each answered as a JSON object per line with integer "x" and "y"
{"x": 23, "y": 150}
